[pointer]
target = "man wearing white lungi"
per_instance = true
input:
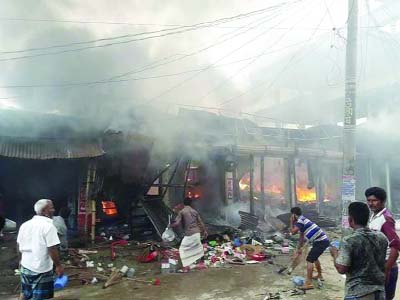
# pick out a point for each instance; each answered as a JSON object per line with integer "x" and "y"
{"x": 191, "y": 248}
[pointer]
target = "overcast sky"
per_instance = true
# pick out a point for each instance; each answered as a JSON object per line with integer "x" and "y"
{"x": 218, "y": 66}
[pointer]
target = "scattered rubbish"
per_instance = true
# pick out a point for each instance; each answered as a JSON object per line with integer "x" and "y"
{"x": 89, "y": 264}
{"x": 258, "y": 257}
{"x": 115, "y": 244}
{"x": 100, "y": 269}
{"x": 335, "y": 244}
{"x": 285, "y": 250}
{"x": 130, "y": 273}
{"x": 124, "y": 270}
{"x": 94, "y": 280}
{"x": 237, "y": 242}
{"x": 252, "y": 262}
{"x": 298, "y": 280}
{"x": 115, "y": 277}
{"x": 84, "y": 251}
{"x": 110, "y": 265}
{"x": 148, "y": 258}
{"x": 254, "y": 243}
{"x": 212, "y": 243}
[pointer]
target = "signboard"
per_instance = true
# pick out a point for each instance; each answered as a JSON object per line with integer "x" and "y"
{"x": 229, "y": 186}
{"x": 348, "y": 196}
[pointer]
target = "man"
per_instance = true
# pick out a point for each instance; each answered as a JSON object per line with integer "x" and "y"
{"x": 315, "y": 236}
{"x": 382, "y": 220}
{"x": 37, "y": 242}
{"x": 61, "y": 226}
{"x": 191, "y": 248}
{"x": 362, "y": 257}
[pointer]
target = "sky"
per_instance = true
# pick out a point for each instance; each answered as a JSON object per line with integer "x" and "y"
{"x": 56, "y": 55}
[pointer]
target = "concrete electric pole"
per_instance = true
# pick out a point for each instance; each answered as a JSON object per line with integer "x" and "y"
{"x": 349, "y": 127}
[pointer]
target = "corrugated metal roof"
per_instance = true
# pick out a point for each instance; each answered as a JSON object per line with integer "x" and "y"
{"x": 44, "y": 148}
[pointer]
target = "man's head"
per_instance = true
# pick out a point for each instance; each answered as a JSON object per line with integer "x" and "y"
{"x": 45, "y": 208}
{"x": 376, "y": 198}
{"x": 358, "y": 214}
{"x": 187, "y": 201}
{"x": 296, "y": 212}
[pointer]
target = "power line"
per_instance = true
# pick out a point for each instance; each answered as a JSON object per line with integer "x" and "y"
{"x": 276, "y": 77}
{"x": 156, "y": 34}
{"x": 135, "y": 24}
{"x": 87, "y": 83}
{"x": 218, "y": 60}
{"x": 251, "y": 62}
{"x": 183, "y": 56}
{"x": 144, "y": 68}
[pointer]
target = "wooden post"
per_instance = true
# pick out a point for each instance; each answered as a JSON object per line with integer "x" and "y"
{"x": 251, "y": 184}
{"x": 262, "y": 185}
{"x": 288, "y": 181}
{"x": 292, "y": 172}
{"x": 93, "y": 231}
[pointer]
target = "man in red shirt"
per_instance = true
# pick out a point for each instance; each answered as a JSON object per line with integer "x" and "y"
{"x": 382, "y": 220}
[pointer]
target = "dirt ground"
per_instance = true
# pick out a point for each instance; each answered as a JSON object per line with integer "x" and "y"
{"x": 230, "y": 282}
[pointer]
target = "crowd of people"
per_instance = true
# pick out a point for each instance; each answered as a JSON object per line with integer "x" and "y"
{"x": 368, "y": 256}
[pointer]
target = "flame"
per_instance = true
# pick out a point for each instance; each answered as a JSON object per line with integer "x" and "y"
{"x": 244, "y": 184}
{"x": 305, "y": 194}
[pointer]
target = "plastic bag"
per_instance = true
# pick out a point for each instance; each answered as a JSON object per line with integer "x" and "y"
{"x": 168, "y": 234}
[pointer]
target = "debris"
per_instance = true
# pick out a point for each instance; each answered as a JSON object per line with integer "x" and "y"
{"x": 148, "y": 258}
{"x": 94, "y": 280}
{"x": 115, "y": 244}
{"x": 252, "y": 262}
{"x": 212, "y": 243}
{"x": 298, "y": 280}
{"x": 130, "y": 273}
{"x": 285, "y": 250}
{"x": 124, "y": 270}
{"x": 84, "y": 251}
{"x": 100, "y": 269}
{"x": 110, "y": 265}
{"x": 90, "y": 264}
{"x": 114, "y": 278}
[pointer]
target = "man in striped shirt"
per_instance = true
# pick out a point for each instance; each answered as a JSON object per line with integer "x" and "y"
{"x": 314, "y": 235}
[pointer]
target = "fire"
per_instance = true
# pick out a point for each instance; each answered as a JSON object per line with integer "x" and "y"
{"x": 305, "y": 194}
{"x": 244, "y": 184}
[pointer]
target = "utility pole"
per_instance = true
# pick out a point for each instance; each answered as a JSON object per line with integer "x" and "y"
{"x": 349, "y": 126}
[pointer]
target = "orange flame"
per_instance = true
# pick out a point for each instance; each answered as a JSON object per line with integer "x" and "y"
{"x": 305, "y": 194}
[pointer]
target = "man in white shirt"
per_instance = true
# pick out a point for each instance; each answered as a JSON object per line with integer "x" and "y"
{"x": 37, "y": 242}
